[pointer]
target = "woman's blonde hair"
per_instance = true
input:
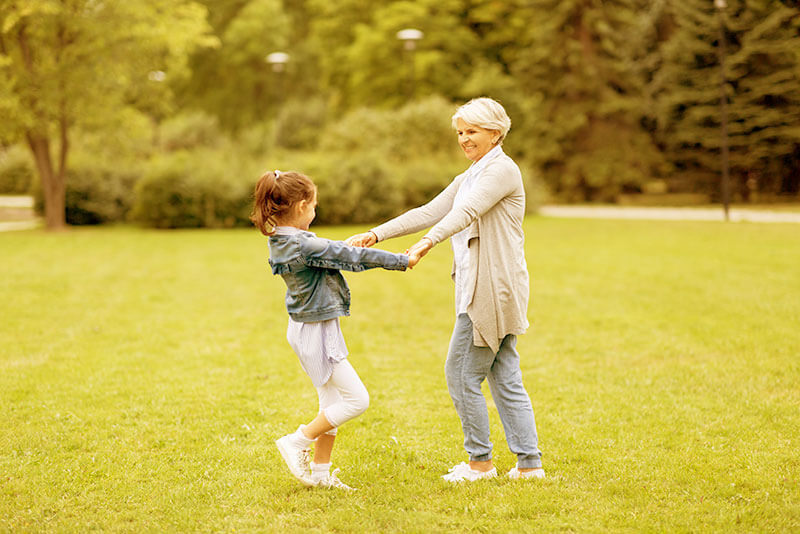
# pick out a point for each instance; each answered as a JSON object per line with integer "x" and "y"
{"x": 275, "y": 194}
{"x": 486, "y": 113}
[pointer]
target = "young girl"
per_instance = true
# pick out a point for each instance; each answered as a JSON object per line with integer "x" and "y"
{"x": 316, "y": 296}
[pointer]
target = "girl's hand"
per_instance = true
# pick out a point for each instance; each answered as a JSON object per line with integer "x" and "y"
{"x": 367, "y": 239}
{"x": 418, "y": 251}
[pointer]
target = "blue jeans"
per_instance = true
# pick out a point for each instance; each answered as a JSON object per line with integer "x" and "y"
{"x": 466, "y": 368}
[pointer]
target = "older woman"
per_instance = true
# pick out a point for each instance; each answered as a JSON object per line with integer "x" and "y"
{"x": 481, "y": 211}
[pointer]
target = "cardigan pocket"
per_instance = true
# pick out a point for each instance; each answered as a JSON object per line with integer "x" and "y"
{"x": 472, "y": 231}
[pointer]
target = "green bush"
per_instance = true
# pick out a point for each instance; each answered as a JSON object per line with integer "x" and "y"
{"x": 256, "y": 139}
{"x": 103, "y": 167}
{"x": 188, "y": 131}
{"x": 300, "y": 123}
{"x": 372, "y": 165}
{"x": 421, "y": 179}
{"x": 367, "y": 187}
{"x": 537, "y": 192}
{"x": 99, "y": 192}
{"x": 420, "y": 128}
{"x": 356, "y": 189}
{"x": 203, "y": 188}
{"x": 423, "y": 128}
{"x": 16, "y": 171}
{"x": 361, "y": 129}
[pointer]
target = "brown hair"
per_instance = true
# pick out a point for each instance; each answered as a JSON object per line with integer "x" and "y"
{"x": 275, "y": 194}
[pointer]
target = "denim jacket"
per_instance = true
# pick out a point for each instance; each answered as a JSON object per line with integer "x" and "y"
{"x": 316, "y": 290}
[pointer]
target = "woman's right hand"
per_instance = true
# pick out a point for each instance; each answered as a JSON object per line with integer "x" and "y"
{"x": 367, "y": 239}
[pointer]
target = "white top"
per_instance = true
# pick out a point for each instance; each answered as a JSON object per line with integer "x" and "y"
{"x": 319, "y": 345}
{"x": 465, "y": 279}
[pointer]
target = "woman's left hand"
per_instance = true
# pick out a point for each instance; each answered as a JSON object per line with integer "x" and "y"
{"x": 418, "y": 251}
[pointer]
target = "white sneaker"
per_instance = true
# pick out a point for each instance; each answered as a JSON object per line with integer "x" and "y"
{"x": 463, "y": 472}
{"x": 296, "y": 457}
{"x": 332, "y": 481}
{"x": 516, "y": 474}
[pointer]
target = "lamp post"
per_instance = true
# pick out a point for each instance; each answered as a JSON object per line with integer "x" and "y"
{"x": 410, "y": 36}
{"x": 156, "y": 75}
{"x": 723, "y": 104}
{"x": 278, "y": 60}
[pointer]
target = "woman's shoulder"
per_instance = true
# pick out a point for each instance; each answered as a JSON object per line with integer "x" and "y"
{"x": 503, "y": 161}
{"x": 503, "y": 167}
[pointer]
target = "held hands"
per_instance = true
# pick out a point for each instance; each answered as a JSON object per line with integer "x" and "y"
{"x": 367, "y": 239}
{"x": 415, "y": 253}
{"x": 418, "y": 250}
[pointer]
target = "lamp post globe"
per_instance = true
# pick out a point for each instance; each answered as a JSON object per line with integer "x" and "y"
{"x": 410, "y": 36}
{"x": 278, "y": 60}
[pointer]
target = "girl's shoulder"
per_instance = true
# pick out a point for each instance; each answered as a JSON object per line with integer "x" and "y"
{"x": 311, "y": 244}
{"x": 288, "y": 247}
{"x": 282, "y": 238}
{"x": 306, "y": 245}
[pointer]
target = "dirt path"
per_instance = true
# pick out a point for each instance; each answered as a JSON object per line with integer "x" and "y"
{"x": 671, "y": 214}
{"x": 16, "y": 213}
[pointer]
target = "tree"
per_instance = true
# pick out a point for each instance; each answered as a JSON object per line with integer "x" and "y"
{"x": 762, "y": 89}
{"x": 233, "y": 81}
{"x": 580, "y": 65}
{"x": 70, "y": 64}
{"x": 765, "y": 77}
{"x": 362, "y": 62}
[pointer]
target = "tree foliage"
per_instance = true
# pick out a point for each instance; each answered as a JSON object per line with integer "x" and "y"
{"x": 761, "y": 87}
{"x": 604, "y": 96}
{"x": 578, "y": 63}
{"x": 233, "y": 81}
{"x": 77, "y": 63}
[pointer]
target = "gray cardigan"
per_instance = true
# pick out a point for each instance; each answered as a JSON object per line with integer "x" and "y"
{"x": 493, "y": 213}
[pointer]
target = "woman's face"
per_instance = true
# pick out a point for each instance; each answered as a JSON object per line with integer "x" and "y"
{"x": 474, "y": 140}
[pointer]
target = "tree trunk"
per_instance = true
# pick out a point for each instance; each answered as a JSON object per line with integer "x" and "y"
{"x": 52, "y": 182}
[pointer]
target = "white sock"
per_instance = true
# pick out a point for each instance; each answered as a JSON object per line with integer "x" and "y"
{"x": 319, "y": 471}
{"x": 301, "y": 438}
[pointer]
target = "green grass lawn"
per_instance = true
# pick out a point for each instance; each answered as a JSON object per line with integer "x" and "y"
{"x": 145, "y": 376}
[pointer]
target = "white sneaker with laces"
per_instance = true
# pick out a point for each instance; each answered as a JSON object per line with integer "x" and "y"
{"x": 296, "y": 457}
{"x": 516, "y": 474}
{"x": 332, "y": 481}
{"x": 464, "y": 473}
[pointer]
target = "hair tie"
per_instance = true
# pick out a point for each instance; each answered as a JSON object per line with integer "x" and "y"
{"x": 277, "y": 173}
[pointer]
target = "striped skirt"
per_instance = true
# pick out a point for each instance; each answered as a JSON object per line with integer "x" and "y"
{"x": 319, "y": 346}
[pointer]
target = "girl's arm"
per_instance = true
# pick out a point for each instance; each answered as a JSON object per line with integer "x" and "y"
{"x": 327, "y": 254}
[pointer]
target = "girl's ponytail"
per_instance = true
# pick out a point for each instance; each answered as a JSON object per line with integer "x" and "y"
{"x": 275, "y": 193}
